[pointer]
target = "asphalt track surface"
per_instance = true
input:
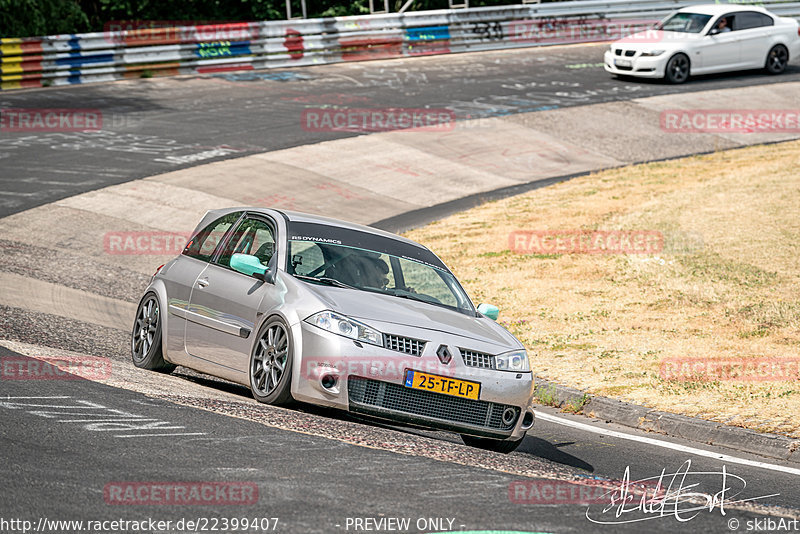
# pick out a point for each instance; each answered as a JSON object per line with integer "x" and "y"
{"x": 158, "y": 125}
{"x": 63, "y": 449}
{"x": 59, "y": 470}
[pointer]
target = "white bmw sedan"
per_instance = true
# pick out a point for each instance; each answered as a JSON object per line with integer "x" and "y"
{"x": 705, "y": 39}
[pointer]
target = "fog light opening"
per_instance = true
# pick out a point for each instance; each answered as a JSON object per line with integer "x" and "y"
{"x": 329, "y": 381}
{"x": 527, "y": 420}
{"x": 509, "y": 414}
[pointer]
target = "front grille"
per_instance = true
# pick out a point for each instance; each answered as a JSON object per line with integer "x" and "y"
{"x": 477, "y": 359}
{"x": 407, "y": 345}
{"x": 629, "y": 53}
{"x": 619, "y": 67}
{"x": 365, "y": 394}
{"x": 618, "y": 51}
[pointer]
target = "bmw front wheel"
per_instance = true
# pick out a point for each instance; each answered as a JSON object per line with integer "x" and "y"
{"x": 677, "y": 70}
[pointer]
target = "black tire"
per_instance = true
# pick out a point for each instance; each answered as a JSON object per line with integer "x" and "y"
{"x": 146, "y": 350}
{"x": 777, "y": 59}
{"x": 495, "y": 445}
{"x": 271, "y": 361}
{"x": 677, "y": 69}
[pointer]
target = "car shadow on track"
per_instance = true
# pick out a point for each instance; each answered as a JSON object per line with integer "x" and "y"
{"x": 541, "y": 448}
{"x": 532, "y": 445}
{"x": 741, "y": 78}
{"x": 211, "y": 382}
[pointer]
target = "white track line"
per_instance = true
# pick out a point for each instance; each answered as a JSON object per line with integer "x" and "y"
{"x": 665, "y": 444}
{"x": 151, "y": 435}
{"x": 8, "y": 397}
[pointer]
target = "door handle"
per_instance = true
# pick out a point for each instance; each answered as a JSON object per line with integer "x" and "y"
{"x": 203, "y": 282}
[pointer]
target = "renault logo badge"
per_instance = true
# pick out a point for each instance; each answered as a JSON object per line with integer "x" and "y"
{"x": 444, "y": 354}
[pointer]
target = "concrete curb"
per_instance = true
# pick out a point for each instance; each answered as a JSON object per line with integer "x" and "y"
{"x": 681, "y": 426}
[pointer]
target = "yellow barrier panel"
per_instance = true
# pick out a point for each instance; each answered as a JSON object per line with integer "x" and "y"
{"x": 10, "y": 49}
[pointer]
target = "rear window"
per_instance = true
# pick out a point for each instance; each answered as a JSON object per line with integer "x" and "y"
{"x": 750, "y": 19}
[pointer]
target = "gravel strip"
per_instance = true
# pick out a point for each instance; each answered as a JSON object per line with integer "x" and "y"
{"x": 381, "y": 438}
{"x": 69, "y": 269}
{"x": 54, "y": 331}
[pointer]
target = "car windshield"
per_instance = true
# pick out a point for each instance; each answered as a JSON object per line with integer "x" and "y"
{"x": 684, "y": 22}
{"x": 358, "y": 260}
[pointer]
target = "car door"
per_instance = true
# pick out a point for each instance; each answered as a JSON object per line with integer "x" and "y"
{"x": 720, "y": 51}
{"x": 754, "y": 30}
{"x": 180, "y": 275}
{"x": 224, "y": 304}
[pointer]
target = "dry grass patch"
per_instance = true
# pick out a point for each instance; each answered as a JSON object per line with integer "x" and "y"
{"x": 725, "y": 286}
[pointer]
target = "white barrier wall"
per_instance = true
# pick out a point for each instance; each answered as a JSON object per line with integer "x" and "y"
{"x": 119, "y": 54}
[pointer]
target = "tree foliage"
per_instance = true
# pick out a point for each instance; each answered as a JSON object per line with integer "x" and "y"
{"x": 27, "y": 18}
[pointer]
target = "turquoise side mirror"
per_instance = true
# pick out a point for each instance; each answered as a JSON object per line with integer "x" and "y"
{"x": 490, "y": 311}
{"x": 247, "y": 264}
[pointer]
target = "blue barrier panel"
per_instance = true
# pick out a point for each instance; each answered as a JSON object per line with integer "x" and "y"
{"x": 428, "y": 33}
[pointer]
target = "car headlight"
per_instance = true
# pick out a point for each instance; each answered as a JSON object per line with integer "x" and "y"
{"x": 344, "y": 326}
{"x": 647, "y": 53}
{"x": 516, "y": 360}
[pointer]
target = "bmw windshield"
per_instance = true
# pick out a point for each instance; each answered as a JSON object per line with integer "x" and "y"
{"x": 684, "y": 22}
{"x": 348, "y": 258}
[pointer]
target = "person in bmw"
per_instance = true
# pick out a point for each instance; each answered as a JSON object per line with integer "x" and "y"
{"x": 306, "y": 308}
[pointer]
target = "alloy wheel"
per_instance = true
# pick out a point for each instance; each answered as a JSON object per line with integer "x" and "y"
{"x": 269, "y": 360}
{"x": 145, "y": 329}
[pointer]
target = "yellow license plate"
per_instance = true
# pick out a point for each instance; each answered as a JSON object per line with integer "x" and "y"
{"x": 442, "y": 384}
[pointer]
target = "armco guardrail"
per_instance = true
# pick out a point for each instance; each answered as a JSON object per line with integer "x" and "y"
{"x": 114, "y": 55}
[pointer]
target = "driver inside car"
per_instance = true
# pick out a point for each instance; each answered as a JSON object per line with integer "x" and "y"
{"x": 374, "y": 272}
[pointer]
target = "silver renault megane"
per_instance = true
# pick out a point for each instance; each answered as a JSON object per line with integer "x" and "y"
{"x": 312, "y": 309}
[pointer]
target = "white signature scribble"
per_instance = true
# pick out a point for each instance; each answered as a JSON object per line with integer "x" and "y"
{"x": 671, "y": 495}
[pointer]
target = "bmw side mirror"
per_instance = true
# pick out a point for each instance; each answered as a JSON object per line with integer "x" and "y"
{"x": 251, "y": 266}
{"x": 490, "y": 311}
{"x": 714, "y": 31}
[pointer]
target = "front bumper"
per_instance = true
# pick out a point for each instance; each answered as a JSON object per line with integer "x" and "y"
{"x": 641, "y": 66}
{"x": 335, "y": 371}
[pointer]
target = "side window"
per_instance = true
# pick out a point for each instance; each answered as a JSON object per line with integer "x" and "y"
{"x": 203, "y": 244}
{"x": 253, "y": 236}
{"x": 751, "y": 19}
{"x": 730, "y": 22}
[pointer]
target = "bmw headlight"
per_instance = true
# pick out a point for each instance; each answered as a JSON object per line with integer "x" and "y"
{"x": 652, "y": 53}
{"x": 516, "y": 360}
{"x": 344, "y": 326}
